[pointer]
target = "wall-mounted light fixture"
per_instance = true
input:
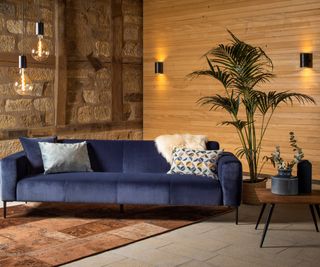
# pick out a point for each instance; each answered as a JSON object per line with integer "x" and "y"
{"x": 158, "y": 67}
{"x": 306, "y": 60}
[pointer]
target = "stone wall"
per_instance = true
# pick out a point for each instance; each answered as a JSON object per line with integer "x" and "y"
{"x": 23, "y": 112}
{"x": 91, "y": 48}
{"x": 92, "y": 87}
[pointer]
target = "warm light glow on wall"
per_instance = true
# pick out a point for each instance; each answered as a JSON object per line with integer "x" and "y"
{"x": 161, "y": 82}
{"x": 307, "y": 76}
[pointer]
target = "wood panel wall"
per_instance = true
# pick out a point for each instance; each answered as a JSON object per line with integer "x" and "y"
{"x": 179, "y": 32}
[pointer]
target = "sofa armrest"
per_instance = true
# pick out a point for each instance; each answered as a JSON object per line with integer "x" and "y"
{"x": 230, "y": 177}
{"x": 12, "y": 168}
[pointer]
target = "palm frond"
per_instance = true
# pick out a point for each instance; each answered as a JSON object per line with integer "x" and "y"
{"x": 239, "y": 124}
{"x": 217, "y": 101}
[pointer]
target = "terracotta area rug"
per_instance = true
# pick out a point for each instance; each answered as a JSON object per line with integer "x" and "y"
{"x": 53, "y": 234}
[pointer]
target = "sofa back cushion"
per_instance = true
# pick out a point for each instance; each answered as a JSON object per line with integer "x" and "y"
{"x": 127, "y": 156}
{"x": 142, "y": 156}
{"x": 105, "y": 155}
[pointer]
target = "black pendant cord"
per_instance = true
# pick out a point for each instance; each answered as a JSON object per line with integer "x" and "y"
{"x": 23, "y": 28}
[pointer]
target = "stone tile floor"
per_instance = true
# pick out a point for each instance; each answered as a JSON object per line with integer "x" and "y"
{"x": 290, "y": 241}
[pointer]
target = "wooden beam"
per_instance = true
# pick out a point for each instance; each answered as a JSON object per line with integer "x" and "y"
{"x": 11, "y": 60}
{"x": 117, "y": 38}
{"x": 60, "y": 79}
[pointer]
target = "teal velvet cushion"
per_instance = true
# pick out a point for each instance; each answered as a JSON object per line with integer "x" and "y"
{"x": 192, "y": 161}
{"x": 65, "y": 157}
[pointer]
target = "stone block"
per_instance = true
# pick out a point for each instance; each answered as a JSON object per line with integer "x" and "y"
{"x": 132, "y": 49}
{"x": 72, "y": 114}
{"x": 47, "y": 89}
{"x": 30, "y": 120}
{"x": 83, "y": 73}
{"x": 7, "y": 9}
{"x": 132, "y": 79}
{"x": 18, "y": 105}
{"x": 126, "y": 111}
{"x": 103, "y": 79}
{"x": 97, "y": 96}
{"x": 38, "y": 89}
{"x": 7, "y": 121}
{"x": 74, "y": 97}
{"x": 133, "y": 97}
{"x": 8, "y": 147}
{"x": 6, "y": 90}
{"x": 49, "y": 118}
{"x": 31, "y": 42}
{"x": 101, "y": 34}
{"x": 43, "y": 104}
{"x": 132, "y": 7}
{"x": 131, "y": 19}
{"x": 46, "y": 3}
{"x": 31, "y": 28}
{"x": 131, "y": 33}
{"x": 86, "y": 114}
{"x": 41, "y": 74}
{"x": 102, "y": 49}
{"x": 15, "y": 26}
{"x": 7, "y": 43}
{"x": 102, "y": 113}
{"x": 9, "y": 74}
{"x": 138, "y": 111}
{"x": 46, "y": 14}
{"x": 2, "y": 23}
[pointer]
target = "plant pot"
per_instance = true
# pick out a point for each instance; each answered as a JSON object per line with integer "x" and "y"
{"x": 284, "y": 185}
{"x": 285, "y": 173}
{"x": 249, "y": 195}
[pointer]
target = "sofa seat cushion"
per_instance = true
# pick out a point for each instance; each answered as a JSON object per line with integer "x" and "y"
{"x": 85, "y": 187}
{"x": 122, "y": 188}
{"x": 175, "y": 189}
{"x": 144, "y": 188}
{"x": 194, "y": 190}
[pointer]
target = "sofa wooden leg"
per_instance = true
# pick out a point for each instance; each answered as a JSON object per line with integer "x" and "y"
{"x": 121, "y": 208}
{"x": 4, "y": 209}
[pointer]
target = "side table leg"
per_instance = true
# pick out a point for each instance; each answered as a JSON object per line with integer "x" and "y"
{"x": 317, "y": 209}
{"x": 266, "y": 226}
{"x": 260, "y": 215}
{"x": 314, "y": 217}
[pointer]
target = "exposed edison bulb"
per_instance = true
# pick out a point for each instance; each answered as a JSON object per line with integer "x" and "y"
{"x": 23, "y": 85}
{"x": 41, "y": 50}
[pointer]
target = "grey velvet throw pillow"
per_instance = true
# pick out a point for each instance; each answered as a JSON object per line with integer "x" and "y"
{"x": 65, "y": 157}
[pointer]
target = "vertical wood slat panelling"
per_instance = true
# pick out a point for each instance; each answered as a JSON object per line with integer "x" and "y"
{"x": 179, "y": 32}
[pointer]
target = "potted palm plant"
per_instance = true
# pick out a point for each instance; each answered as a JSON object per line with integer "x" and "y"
{"x": 241, "y": 68}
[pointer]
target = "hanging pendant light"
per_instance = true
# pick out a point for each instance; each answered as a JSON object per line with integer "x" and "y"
{"x": 23, "y": 85}
{"x": 40, "y": 50}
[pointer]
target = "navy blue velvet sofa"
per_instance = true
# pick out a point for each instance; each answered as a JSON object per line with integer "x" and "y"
{"x": 124, "y": 172}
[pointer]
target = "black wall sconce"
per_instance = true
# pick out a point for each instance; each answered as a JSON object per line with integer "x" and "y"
{"x": 306, "y": 60}
{"x": 158, "y": 67}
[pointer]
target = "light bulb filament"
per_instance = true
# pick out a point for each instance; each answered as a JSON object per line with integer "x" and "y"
{"x": 40, "y": 46}
{"x": 23, "y": 80}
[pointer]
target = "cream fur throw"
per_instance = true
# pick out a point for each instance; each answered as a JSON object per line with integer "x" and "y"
{"x": 166, "y": 143}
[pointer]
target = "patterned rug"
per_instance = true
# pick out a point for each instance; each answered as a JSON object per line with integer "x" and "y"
{"x": 45, "y": 234}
